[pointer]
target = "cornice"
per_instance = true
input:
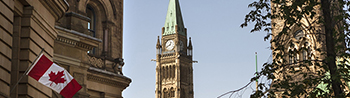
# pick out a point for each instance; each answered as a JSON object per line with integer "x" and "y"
{"x": 74, "y": 43}
{"x": 168, "y": 55}
{"x": 76, "y": 39}
{"x": 123, "y": 83}
{"x": 165, "y": 61}
{"x": 109, "y": 73}
{"x": 78, "y": 34}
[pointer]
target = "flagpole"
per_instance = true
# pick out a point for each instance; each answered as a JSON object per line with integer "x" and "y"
{"x": 25, "y": 73}
{"x": 256, "y": 69}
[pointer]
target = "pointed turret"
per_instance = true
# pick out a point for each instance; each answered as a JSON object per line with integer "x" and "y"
{"x": 190, "y": 44}
{"x": 173, "y": 22}
{"x": 189, "y": 48}
{"x": 159, "y": 47}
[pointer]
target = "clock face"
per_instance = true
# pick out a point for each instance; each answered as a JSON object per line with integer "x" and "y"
{"x": 169, "y": 45}
{"x": 181, "y": 45}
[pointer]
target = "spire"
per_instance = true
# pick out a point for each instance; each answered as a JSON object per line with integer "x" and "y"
{"x": 173, "y": 22}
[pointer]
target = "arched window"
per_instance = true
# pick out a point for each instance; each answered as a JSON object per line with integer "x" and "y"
{"x": 293, "y": 57}
{"x": 306, "y": 51}
{"x": 172, "y": 92}
{"x": 305, "y": 54}
{"x": 173, "y": 71}
{"x": 166, "y": 72}
{"x": 162, "y": 73}
{"x": 165, "y": 93}
{"x": 169, "y": 72}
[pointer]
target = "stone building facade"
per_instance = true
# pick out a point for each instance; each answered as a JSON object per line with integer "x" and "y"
{"x": 300, "y": 51}
{"x": 174, "y": 63}
{"x": 301, "y": 47}
{"x": 83, "y": 36}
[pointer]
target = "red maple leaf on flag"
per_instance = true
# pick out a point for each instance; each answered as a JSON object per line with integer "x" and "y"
{"x": 56, "y": 78}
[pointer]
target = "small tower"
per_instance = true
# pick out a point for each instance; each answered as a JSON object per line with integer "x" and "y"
{"x": 174, "y": 69}
{"x": 189, "y": 48}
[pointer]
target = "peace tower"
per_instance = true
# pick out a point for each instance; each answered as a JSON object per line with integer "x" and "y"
{"x": 174, "y": 71}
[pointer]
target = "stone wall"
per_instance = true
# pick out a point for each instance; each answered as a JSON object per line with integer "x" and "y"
{"x": 59, "y": 29}
{"x": 26, "y": 27}
{"x": 6, "y": 33}
{"x": 90, "y": 35}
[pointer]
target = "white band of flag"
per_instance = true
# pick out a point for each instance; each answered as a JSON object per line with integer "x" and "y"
{"x": 53, "y": 76}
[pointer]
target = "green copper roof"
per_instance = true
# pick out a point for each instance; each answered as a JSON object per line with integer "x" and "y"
{"x": 174, "y": 18}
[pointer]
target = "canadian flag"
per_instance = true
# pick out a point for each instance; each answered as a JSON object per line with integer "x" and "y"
{"x": 53, "y": 76}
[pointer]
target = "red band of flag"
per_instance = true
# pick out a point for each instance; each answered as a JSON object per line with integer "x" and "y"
{"x": 53, "y": 76}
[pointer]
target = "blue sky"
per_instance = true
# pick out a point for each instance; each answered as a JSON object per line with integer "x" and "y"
{"x": 224, "y": 51}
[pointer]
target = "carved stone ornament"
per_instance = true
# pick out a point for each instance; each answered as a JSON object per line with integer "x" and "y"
{"x": 95, "y": 62}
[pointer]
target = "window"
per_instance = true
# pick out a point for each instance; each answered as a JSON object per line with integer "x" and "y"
{"x": 296, "y": 58}
{"x": 91, "y": 24}
{"x": 172, "y": 92}
{"x": 305, "y": 54}
{"x": 166, "y": 72}
{"x": 173, "y": 71}
{"x": 92, "y": 51}
{"x": 306, "y": 51}
{"x": 165, "y": 93}
{"x": 293, "y": 58}
{"x": 162, "y": 73}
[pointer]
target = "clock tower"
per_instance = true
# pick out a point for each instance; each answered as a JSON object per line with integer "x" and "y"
{"x": 174, "y": 71}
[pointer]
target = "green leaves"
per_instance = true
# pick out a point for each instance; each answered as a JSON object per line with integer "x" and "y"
{"x": 303, "y": 77}
{"x": 258, "y": 16}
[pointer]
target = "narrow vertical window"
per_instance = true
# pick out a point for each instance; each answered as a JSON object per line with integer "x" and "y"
{"x": 304, "y": 55}
{"x": 165, "y": 93}
{"x": 295, "y": 58}
{"x": 306, "y": 51}
{"x": 291, "y": 58}
{"x": 91, "y": 25}
{"x": 172, "y": 92}
{"x": 163, "y": 73}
